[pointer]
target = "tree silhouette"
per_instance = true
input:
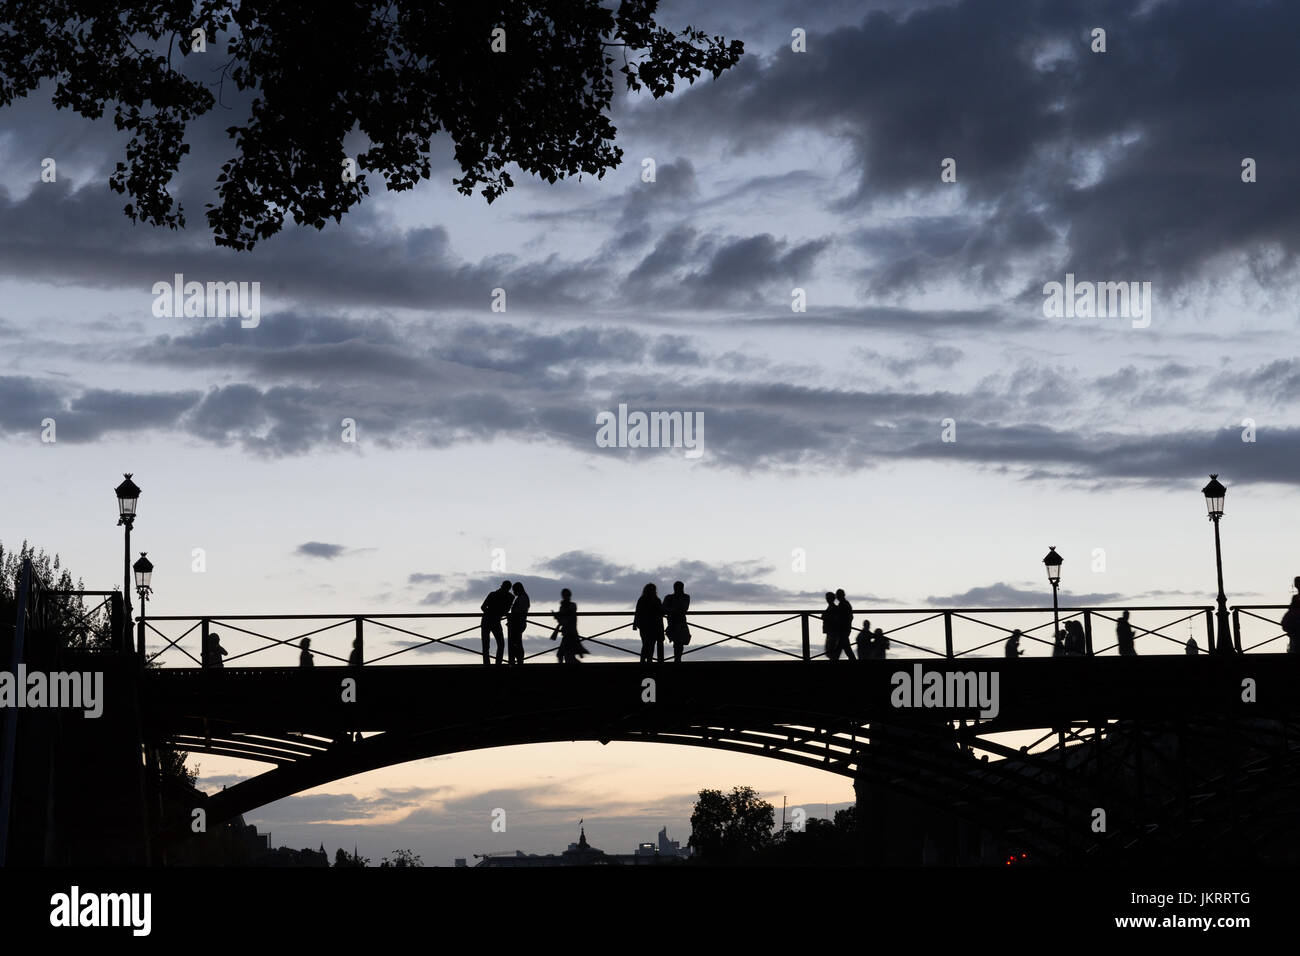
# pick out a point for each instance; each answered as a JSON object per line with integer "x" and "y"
{"x": 68, "y": 613}
{"x": 730, "y": 827}
{"x": 527, "y": 82}
{"x": 403, "y": 858}
{"x": 344, "y": 858}
{"x": 91, "y": 633}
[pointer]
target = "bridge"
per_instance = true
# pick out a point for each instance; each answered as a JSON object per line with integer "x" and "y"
{"x": 1069, "y": 735}
{"x": 1178, "y": 750}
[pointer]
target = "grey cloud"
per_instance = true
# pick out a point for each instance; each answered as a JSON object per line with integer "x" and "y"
{"x": 736, "y": 271}
{"x": 324, "y": 807}
{"x": 320, "y": 549}
{"x": 938, "y": 356}
{"x": 1002, "y": 594}
{"x": 1052, "y": 142}
{"x": 598, "y": 580}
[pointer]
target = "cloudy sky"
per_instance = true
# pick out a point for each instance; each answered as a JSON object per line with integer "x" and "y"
{"x": 918, "y": 435}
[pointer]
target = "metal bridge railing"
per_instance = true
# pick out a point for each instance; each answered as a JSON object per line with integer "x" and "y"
{"x": 1261, "y": 632}
{"x": 737, "y": 634}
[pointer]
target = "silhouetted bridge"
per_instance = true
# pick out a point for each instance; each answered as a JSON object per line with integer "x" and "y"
{"x": 947, "y": 741}
{"x": 1173, "y": 747}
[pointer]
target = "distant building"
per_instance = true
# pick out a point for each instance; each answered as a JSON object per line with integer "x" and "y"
{"x": 583, "y": 853}
{"x": 671, "y": 848}
{"x": 236, "y": 843}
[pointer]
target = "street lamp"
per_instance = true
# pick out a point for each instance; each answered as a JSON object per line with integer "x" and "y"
{"x": 1053, "y": 563}
{"x": 128, "y": 496}
{"x": 143, "y": 573}
{"x": 1214, "y": 494}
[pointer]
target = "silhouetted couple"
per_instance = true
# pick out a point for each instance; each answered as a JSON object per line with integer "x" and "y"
{"x": 213, "y": 652}
{"x": 1070, "y": 641}
{"x": 649, "y": 622}
{"x": 872, "y": 646}
{"x": 511, "y": 602}
{"x": 837, "y": 625}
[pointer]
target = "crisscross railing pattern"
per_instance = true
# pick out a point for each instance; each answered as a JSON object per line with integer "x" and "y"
{"x": 1256, "y": 631}
{"x": 740, "y": 634}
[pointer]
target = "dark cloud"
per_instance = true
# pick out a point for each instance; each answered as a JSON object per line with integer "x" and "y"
{"x": 1008, "y": 595}
{"x": 687, "y": 269}
{"x": 598, "y": 580}
{"x": 1054, "y": 144}
{"x": 319, "y": 549}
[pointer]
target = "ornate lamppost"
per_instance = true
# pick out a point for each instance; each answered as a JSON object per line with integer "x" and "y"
{"x": 1214, "y": 493}
{"x": 1053, "y": 563}
{"x": 128, "y": 496}
{"x": 143, "y": 573}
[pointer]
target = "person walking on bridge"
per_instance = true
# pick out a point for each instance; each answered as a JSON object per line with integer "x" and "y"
{"x": 843, "y": 627}
{"x": 1124, "y": 635}
{"x": 566, "y": 627}
{"x": 516, "y": 622}
{"x": 1013, "y": 645}
{"x": 649, "y": 622}
{"x": 494, "y": 608}
{"x": 828, "y": 624}
{"x": 675, "y": 607}
{"x": 305, "y": 658}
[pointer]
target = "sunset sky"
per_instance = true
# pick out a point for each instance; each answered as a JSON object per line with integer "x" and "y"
{"x": 824, "y": 462}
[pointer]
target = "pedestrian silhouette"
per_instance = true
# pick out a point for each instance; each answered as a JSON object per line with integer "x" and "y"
{"x": 494, "y": 608}
{"x": 566, "y": 627}
{"x": 1075, "y": 643}
{"x": 1058, "y": 644}
{"x": 1191, "y": 646}
{"x": 1124, "y": 634}
{"x": 843, "y": 626}
{"x": 879, "y": 645}
{"x": 1013, "y": 645}
{"x": 214, "y": 652}
{"x": 864, "y": 641}
{"x": 354, "y": 659}
{"x": 304, "y": 659}
{"x": 516, "y": 621}
{"x": 649, "y": 622}
{"x": 1291, "y": 626}
{"x": 828, "y": 625}
{"x": 675, "y": 607}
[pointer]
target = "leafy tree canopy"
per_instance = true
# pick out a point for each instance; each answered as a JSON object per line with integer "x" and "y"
{"x": 730, "y": 827}
{"x": 527, "y": 82}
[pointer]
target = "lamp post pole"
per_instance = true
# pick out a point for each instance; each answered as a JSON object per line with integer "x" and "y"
{"x": 143, "y": 576}
{"x": 128, "y": 495}
{"x": 127, "y": 520}
{"x": 1215, "y": 493}
{"x": 1225, "y": 630}
{"x": 1053, "y": 563}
